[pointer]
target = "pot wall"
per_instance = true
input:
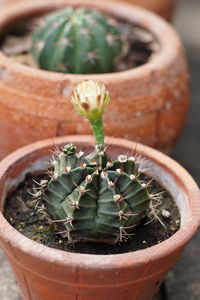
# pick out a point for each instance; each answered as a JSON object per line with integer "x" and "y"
{"x": 47, "y": 274}
{"x": 149, "y": 103}
{"x": 164, "y": 8}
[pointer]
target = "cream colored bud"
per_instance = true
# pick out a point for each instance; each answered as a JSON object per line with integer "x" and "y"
{"x": 132, "y": 177}
{"x": 68, "y": 169}
{"x": 88, "y": 178}
{"x": 122, "y": 158}
{"x": 117, "y": 198}
{"x": 144, "y": 185}
{"x": 90, "y": 98}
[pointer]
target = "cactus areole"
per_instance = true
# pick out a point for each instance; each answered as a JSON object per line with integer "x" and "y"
{"x": 91, "y": 197}
{"x": 79, "y": 41}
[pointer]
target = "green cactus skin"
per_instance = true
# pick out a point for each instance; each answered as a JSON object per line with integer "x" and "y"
{"x": 90, "y": 198}
{"x": 78, "y": 41}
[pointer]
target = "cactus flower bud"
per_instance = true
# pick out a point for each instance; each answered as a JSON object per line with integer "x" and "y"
{"x": 90, "y": 98}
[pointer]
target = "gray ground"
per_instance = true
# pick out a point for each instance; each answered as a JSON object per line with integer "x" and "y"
{"x": 183, "y": 282}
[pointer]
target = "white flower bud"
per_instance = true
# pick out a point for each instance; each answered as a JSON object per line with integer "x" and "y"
{"x": 132, "y": 177}
{"x": 88, "y": 178}
{"x": 117, "y": 198}
{"x": 122, "y": 158}
{"x": 90, "y": 98}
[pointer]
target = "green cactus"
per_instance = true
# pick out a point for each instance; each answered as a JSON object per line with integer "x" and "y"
{"x": 77, "y": 41}
{"x": 93, "y": 198}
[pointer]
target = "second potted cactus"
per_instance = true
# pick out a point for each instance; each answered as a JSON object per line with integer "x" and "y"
{"x": 153, "y": 94}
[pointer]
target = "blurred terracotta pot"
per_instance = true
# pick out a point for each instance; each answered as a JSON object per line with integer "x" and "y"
{"x": 149, "y": 103}
{"x": 164, "y": 8}
{"x": 45, "y": 273}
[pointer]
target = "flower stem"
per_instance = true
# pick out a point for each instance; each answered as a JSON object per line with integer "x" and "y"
{"x": 98, "y": 130}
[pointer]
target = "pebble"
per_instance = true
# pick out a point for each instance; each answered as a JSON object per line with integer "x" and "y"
{"x": 166, "y": 213}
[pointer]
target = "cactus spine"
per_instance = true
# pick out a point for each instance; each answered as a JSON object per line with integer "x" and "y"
{"x": 92, "y": 198}
{"x": 77, "y": 41}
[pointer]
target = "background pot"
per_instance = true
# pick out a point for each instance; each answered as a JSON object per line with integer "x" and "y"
{"x": 149, "y": 103}
{"x": 165, "y": 8}
{"x": 46, "y": 273}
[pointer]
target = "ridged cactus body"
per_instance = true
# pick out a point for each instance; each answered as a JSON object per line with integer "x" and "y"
{"x": 91, "y": 198}
{"x": 77, "y": 41}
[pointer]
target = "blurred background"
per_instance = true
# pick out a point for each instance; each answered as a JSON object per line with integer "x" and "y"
{"x": 183, "y": 281}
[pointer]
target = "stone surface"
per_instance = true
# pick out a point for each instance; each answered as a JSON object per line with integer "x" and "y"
{"x": 183, "y": 280}
{"x": 8, "y": 288}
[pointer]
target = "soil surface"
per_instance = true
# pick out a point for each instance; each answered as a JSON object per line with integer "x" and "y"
{"x": 20, "y": 212}
{"x": 16, "y": 44}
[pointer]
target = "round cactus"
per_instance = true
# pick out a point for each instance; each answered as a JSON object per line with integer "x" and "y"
{"x": 94, "y": 198}
{"x": 77, "y": 41}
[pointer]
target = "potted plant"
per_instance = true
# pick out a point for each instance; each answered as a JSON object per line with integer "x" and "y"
{"x": 153, "y": 96}
{"x": 100, "y": 196}
{"x": 164, "y": 8}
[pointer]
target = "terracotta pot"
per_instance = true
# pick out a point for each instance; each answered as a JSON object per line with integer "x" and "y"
{"x": 164, "y": 8}
{"x": 149, "y": 103}
{"x": 45, "y": 273}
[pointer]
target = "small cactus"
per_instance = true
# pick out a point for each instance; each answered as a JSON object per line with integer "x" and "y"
{"x": 77, "y": 41}
{"x": 90, "y": 197}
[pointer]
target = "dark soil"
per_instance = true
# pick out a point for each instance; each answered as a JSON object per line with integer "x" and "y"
{"x": 16, "y": 43}
{"x": 20, "y": 213}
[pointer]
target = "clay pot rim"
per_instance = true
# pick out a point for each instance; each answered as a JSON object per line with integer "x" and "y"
{"x": 60, "y": 257}
{"x": 163, "y": 32}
